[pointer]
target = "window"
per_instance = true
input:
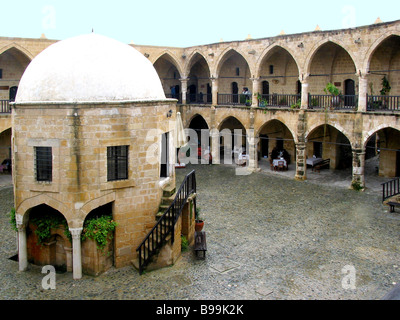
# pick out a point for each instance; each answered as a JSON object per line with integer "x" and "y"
{"x": 44, "y": 163}
{"x": 1, "y": 73}
{"x": 271, "y": 69}
{"x": 237, "y": 71}
{"x": 117, "y": 163}
{"x": 164, "y": 155}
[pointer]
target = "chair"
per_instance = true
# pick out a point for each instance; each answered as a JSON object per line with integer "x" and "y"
{"x": 281, "y": 165}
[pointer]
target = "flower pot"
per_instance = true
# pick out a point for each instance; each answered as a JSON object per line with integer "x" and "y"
{"x": 199, "y": 225}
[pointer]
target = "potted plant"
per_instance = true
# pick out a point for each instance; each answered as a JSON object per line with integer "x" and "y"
{"x": 385, "y": 90}
{"x": 334, "y": 92}
{"x": 199, "y": 223}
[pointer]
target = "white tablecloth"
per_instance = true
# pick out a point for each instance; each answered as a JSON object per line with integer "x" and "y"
{"x": 313, "y": 161}
{"x": 275, "y": 162}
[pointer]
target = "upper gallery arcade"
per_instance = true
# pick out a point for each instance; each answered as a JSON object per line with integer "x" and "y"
{"x": 286, "y": 76}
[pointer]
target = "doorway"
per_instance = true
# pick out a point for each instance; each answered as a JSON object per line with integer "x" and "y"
{"x": 235, "y": 92}
{"x": 349, "y": 92}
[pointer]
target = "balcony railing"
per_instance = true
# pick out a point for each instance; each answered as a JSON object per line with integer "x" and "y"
{"x": 278, "y": 100}
{"x": 234, "y": 99}
{"x": 174, "y": 96}
{"x": 342, "y": 102}
{"x": 383, "y": 103}
{"x": 5, "y": 106}
{"x": 198, "y": 98}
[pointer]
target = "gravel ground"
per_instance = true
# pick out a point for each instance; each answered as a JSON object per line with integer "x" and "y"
{"x": 268, "y": 238}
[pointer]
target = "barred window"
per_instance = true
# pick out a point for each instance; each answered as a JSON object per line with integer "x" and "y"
{"x": 117, "y": 163}
{"x": 44, "y": 163}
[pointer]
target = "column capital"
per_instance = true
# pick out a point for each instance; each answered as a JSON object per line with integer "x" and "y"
{"x": 76, "y": 232}
{"x": 304, "y": 77}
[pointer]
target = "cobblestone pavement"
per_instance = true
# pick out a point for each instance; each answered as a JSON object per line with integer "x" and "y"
{"x": 268, "y": 237}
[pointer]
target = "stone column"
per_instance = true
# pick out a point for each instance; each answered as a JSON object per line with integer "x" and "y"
{"x": 214, "y": 135}
{"x": 358, "y": 179}
{"x": 214, "y": 90}
{"x": 301, "y": 163}
{"x": 301, "y": 147}
{"x": 255, "y": 92}
{"x": 304, "y": 91}
{"x": 252, "y": 142}
{"x": 362, "y": 91}
{"x": 22, "y": 245}
{"x": 184, "y": 82}
{"x": 76, "y": 253}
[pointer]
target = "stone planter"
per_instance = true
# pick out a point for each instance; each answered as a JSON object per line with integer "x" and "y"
{"x": 95, "y": 261}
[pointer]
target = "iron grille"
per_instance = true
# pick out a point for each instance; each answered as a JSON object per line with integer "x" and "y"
{"x": 44, "y": 163}
{"x": 117, "y": 163}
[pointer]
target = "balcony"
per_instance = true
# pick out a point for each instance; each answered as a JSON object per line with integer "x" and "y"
{"x": 5, "y": 106}
{"x": 278, "y": 100}
{"x": 341, "y": 102}
{"x": 383, "y": 103}
{"x": 229, "y": 99}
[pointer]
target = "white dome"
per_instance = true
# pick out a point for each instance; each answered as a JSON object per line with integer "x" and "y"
{"x": 89, "y": 68}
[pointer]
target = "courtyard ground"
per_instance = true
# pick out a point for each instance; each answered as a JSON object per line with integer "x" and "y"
{"x": 269, "y": 237}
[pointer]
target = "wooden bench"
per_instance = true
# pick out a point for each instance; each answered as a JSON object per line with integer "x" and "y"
{"x": 392, "y": 205}
{"x": 200, "y": 244}
{"x": 322, "y": 164}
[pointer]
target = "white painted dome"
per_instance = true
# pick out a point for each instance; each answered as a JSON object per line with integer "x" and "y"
{"x": 89, "y": 68}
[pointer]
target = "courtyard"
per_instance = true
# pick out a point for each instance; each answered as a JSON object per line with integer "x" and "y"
{"x": 268, "y": 237}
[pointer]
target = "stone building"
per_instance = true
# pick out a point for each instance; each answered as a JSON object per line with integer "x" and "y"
{"x": 288, "y": 107}
{"x": 87, "y": 138}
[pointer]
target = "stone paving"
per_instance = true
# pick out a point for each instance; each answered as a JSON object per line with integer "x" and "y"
{"x": 268, "y": 237}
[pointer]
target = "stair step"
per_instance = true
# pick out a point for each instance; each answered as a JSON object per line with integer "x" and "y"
{"x": 169, "y": 191}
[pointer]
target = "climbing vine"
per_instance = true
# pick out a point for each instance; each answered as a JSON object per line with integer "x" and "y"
{"x": 99, "y": 229}
{"x": 45, "y": 223}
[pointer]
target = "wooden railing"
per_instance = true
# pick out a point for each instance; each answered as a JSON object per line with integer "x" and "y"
{"x": 165, "y": 226}
{"x": 278, "y": 100}
{"x": 5, "y": 106}
{"x": 390, "y": 188}
{"x": 234, "y": 99}
{"x": 342, "y": 102}
{"x": 383, "y": 103}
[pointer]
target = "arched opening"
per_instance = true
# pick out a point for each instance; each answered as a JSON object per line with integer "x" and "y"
{"x": 199, "y": 76}
{"x": 280, "y": 71}
{"x": 169, "y": 76}
{"x": 276, "y": 143}
{"x": 384, "y": 75}
{"x": 200, "y": 126}
{"x": 232, "y": 140}
{"x": 48, "y": 240}
{"x": 383, "y": 153}
{"x": 13, "y": 63}
{"x": 331, "y": 63}
{"x": 98, "y": 254}
{"x": 5, "y": 151}
{"x": 233, "y": 75}
{"x": 328, "y": 145}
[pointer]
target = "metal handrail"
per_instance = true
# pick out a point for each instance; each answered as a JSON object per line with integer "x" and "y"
{"x": 166, "y": 224}
{"x": 390, "y": 188}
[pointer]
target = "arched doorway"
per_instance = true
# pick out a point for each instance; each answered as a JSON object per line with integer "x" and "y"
{"x": 98, "y": 257}
{"x": 48, "y": 240}
{"x": 232, "y": 139}
{"x": 276, "y": 141}
{"x": 383, "y": 153}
